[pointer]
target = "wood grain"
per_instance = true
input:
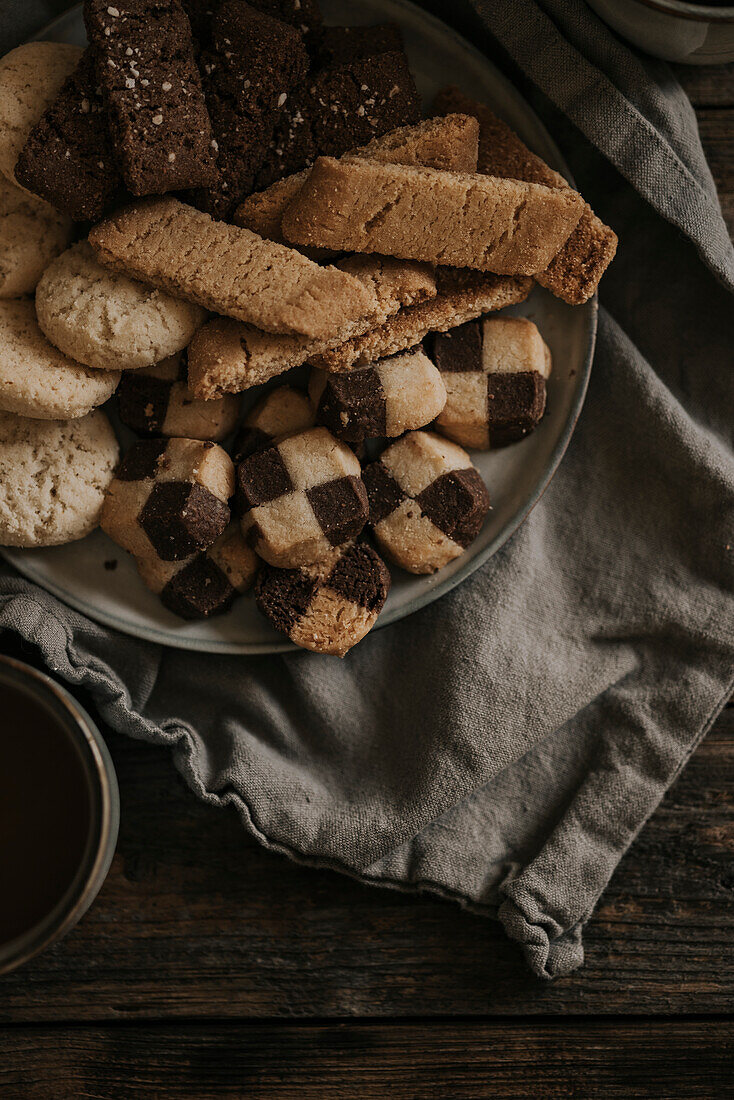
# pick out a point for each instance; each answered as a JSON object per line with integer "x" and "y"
{"x": 195, "y": 921}
{"x": 545, "y": 1061}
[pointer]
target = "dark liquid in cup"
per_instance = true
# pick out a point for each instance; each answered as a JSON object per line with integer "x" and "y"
{"x": 45, "y": 812}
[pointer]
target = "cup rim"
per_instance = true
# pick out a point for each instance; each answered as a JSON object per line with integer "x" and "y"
{"x": 105, "y": 811}
{"x": 697, "y": 13}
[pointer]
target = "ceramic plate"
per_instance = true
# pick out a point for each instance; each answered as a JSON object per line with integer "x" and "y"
{"x": 80, "y": 573}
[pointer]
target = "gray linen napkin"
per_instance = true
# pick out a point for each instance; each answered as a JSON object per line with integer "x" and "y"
{"x": 503, "y": 747}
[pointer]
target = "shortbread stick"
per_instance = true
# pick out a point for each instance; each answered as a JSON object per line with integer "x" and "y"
{"x": 574, "y": 273}
{"x": 227, "y": 357}
{"x": 229, "y": 270}
{"x": 449, "y": 142}
{"x": 416, "y": 213}
{"x": 462, "y": 296}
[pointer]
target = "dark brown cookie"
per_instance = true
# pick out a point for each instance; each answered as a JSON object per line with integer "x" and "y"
{"x": 327, "y": 607}
{"x": 68, "y": 158}
{"x": 495, "y": 372}
{"x": 152, "y": 90}
{"x": 339, "y": 45}
{"x": 247, "y": 73}
{"x": 338, "y": 109}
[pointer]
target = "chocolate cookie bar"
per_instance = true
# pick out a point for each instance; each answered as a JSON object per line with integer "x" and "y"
{"x": 300, "y": 498}
{"x": 417, "y": 213}
{"x": 462, "y": 295}
{"x": 68, "y": 159}
{"x": 157, "y": 401}
{"x": 228, "y": 270}
{"x": 427, "y": 501}
{"x": 339, "y": 45}
{"x": 387, "y": 398}
{"x": 169, "y": 498}
{"x": 226, "y": 356}
{"x": 204, "y": 584}
{"x": 449, "y": 142}
{"x": 338, "y": 109}
{"x": 151, "y": 87}
{"x": 574, "y": 273}
{"x": 247, "y": 73}
{"x": 495, "y": 372}
{"x": 330, "y": 606}
{"x": 283, "y": 412}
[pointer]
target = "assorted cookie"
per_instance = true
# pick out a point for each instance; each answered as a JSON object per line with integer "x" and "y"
{"x": 427, "y": 501}
{"x": 53, "y": 477}
{"x": 329, "y": 606}
{"x": 157, "y": 401}
{"x": 169, "y": 498}
{"x": 108, "y": 320}
{"x": 225, "y": 154}
{"x": 388, "y": 398}
{"x": 495, "y": 373}
{"x": 300, "y": 498}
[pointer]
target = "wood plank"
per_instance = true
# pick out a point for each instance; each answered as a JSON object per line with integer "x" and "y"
{"x": 717, "y": 137}
{"x": 554, "y": 1061}
{"x": 707, "y": 85}
{"x": 196, "y": 921}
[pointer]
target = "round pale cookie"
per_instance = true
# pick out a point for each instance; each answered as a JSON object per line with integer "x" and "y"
{"x": 107, "y": 320}
{"x": 32, "y": 234}
{"x": 38, "y": 380}
{"x": 53, "y": 477}
{"x": 30, "y": 79}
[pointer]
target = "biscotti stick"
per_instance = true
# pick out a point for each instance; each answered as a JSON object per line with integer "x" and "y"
{"x": 229, "y": 270}
{"x": 574, "y": 273}
{"x": 226, "y": 356}
{"x": 449, "y": 142}
{"x": 416, "y": 213}
{"x": 462, "y": 296}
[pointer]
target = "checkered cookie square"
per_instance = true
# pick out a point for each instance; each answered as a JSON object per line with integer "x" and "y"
{"x": 300, "y": 498}
{"x": 427, "y": 501}
{"x": 495, "y": 371}
{"x": 169, "y": 498}
{"x": 157, "y": 401}
{"x": 387, "y": 398}
{"x": 283, "y": 412}
{"x": 330, "y": 606}
{"x": 206, "y": 583}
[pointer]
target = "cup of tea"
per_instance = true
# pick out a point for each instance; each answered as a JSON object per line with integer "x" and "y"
{"x": 692, "y": 32}
{"x": 59, "y": 812}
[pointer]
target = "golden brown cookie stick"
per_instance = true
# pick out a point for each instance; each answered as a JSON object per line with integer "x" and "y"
{"x": 574, "y": 273}
{"x": 462, "y": 219}
{"x": 462, "y": 296}
{"x": 229, "y": 270}
{"x": 227, "y": 356}
{"x": 450, "y": 142}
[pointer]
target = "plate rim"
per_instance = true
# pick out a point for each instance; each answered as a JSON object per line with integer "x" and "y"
{"x": 159, "y": 635}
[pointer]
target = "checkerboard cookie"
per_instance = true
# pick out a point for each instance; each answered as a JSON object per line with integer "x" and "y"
{"x": 574, "y": 273}
{"x": 387, "y": 398}
{"x": 330, "y": 606}
{"x": 157, "y": 401}
{"x": 228, "y": 270}
{"x": 449, "y": 142}
{"x": 32, "y": 234}
{"x": 107, "y": 320}
{"x": 427, "y": 501}
{"x": 283, "y": 412}
{"x": 204, "y": 584}
{"x": 152, "y": 91}
{"x": 68, "y": 158}
{"x": 170, "y": 498}
{"x": 31, "y": 77}
{"x": 226, "y": 356}
{"x": 495, "y": 372}
{"x": 300, "y": 498}
{"x": 461, "y": 296}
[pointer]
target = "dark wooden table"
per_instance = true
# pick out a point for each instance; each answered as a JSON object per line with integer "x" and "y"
{"x": 208, "y": 967}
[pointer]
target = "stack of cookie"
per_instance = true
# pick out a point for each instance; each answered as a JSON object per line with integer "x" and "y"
{"x": 375, "y": 255}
